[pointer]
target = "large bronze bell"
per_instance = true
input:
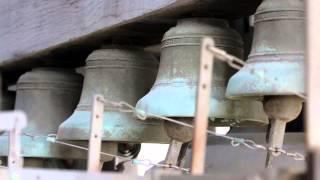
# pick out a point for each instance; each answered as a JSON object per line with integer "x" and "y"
{"x": 47, "y": 96}
{"x": 119, "y": 74}
{"x": 174, "y": 92}
{"x": 275, "y": 65}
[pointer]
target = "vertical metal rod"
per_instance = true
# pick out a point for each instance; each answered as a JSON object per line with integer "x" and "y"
{"x": 312, "y": 70}
{"x": 313, "y": 73}
{"x": 202, "y": 108}
{"x": 14, "y": 157}
{"x": 276, "y": 138}
{"x": 95, "y": 134}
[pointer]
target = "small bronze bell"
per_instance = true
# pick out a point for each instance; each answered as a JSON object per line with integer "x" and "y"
{"x": 47, "y": 96}
{"x": 119, "y": 74}
{"x": 275, "y": 65}
{"x": 174, "y": 92}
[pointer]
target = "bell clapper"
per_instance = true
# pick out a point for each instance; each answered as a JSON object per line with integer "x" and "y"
{"x": 281, "y": 110}
{"x": 275, "y": 139}
{"x": 179, "y": 135}
{"x": 173, "y": 152}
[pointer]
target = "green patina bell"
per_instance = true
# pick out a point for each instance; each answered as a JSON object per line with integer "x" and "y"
{"x": 119, "y": 74}
{"x": 47, "y": 96}
{"x": 275, "y": 65}
{"x": 174, "y": 92}
{"x": 275, "y": 68}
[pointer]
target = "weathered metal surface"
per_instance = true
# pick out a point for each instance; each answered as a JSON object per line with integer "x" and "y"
{"x": 119, "y": 74}
{"x": 276, "y": 62}
{"x": 47, "y": 96}
{"x": 174, "y": 92}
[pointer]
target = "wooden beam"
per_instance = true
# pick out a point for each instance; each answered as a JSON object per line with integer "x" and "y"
{"x": 36, "y": 27}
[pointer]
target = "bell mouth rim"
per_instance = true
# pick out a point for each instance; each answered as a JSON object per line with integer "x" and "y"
{"x": 124, "y": 128}
{"x": 261, "y": 117}
{"x": 256, "y": 80}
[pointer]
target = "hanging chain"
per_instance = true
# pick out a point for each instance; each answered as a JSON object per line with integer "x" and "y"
{"x": 124, "y": 107}
{"x": 145, "y": 162}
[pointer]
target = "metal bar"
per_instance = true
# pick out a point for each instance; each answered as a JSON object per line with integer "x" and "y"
{"x": 312, "y": 70}
{"x": 313, "y": 74}
{"x": 95, "y": 134}
{"x": 202, "y": 108}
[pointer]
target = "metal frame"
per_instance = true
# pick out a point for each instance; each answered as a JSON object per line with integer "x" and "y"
{"x": 199, "y": 141}
{"x": 203, "y": 94}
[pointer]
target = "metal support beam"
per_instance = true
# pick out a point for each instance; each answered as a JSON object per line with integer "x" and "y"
{"x": 313, "y": 74}
{"x": 202, "y": 108}
{"x": 313, "y": 87}
{"x": 95, "y": 134}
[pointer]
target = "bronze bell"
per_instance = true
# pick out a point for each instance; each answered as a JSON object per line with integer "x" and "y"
{"x": 119, "y": 74}
{"x": 174, "y": 92}
{"x": 47, "y": 96}
{"x": 275, "y": 65}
